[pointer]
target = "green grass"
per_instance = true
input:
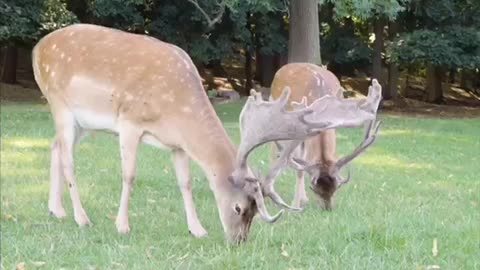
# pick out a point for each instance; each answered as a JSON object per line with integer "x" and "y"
{"x": 420, "y": 182}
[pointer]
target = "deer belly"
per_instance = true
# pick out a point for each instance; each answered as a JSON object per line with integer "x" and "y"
{"x": 91, "y": 120}
{"x": 91, "y": 102}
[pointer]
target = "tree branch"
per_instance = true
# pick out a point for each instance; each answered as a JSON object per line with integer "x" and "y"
{"x": 210, "y": 21}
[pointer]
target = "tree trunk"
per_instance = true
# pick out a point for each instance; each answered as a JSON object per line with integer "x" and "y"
{"x": 9, "y": 74}
{"x": 393, "y": 73}
{"x": 466, "y": 81}
{"x": 477, "y": 80}
{"x": 258, "y": 65}
{"x": 378, "y": 26}
{"x": 267, "y": 69}
{"x": 80, "y": 8}
{"x": 304, "y": 34}
{"x": 434, "y": 84}
{"x": 248, "y": 72}
{"x": 451, "y": 75}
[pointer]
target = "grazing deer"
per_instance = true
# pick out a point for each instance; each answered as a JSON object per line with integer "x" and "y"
{"x": 317, "y": 154}
{"x": 145, "y": 90}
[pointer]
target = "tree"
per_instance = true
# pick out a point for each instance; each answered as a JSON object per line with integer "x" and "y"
{"x": 304, "y": 34}
{"x": 378, "y": 13}
{"x": 22, "y": 22}
{"x": 446, "y": 38}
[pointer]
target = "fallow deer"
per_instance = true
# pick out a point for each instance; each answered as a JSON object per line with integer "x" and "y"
{"x": 145, "y": 90}
{"x": 317, "y": 154}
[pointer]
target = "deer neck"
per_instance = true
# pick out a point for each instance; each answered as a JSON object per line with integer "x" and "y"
{"x": 209, "y": 145}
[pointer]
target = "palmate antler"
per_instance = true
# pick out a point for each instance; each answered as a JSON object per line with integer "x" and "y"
{"x": 369, "y": 107}
{"x": 269, "y": 121}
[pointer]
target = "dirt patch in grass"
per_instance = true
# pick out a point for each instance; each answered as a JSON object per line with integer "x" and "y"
{"x": 457, "y": 102}
{"x": 21, "y": 92}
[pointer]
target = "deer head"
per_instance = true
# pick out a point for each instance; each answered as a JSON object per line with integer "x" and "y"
{"x": 269, "y": 121}
{"x": 326, "y": 180}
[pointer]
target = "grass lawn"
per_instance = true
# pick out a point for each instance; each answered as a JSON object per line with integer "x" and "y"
{"x": 420, "y": 182}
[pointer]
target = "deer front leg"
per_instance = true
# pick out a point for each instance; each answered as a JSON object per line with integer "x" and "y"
{"x": 129, "y": 138}
{"x": 55, "y": 205}
{"x": 181, "y": 162}
{"x": 300, "y": 198}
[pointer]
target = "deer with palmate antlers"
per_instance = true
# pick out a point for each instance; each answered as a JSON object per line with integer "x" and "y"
{"x": 145, "y": 90}
{"x": 317, "y": 155}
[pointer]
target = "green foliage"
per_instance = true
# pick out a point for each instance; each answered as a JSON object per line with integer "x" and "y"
{"x": 366, "y": 9}
{"x": 24, "y": 21}
{"x": 271, "y": 33}
{"x": 446, "y": 37}
{"x": 343, "y": 45}
{"x": 118, "y": 13}
{"x": 19, "y": 21}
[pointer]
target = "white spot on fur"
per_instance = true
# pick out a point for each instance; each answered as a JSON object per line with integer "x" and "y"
{"x": 168, "y": 97}
{"x": 47, "y": 68}
{"x": 54, "y": 46}
{"x": 69, "y": 59}
{"x": 62, "y": 55}
{"x": 186, "y": 109}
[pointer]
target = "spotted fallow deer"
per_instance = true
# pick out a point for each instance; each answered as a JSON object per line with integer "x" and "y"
{"x": 317, "y": 154}
{"x": 145, "y": 90}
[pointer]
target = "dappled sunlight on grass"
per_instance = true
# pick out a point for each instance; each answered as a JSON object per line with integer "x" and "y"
{"x": 395, "y": 132}
{"x": 389, "y": 161}
{"x": 24, "y": 159}
{"x": 25, "y": 143}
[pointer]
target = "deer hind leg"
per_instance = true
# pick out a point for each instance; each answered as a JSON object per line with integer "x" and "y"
{"x": 55, "y": 205}
{"x": 68, "y": 133}
{"x": 129, "y": 138}
{"x": 181, "y": 163}
{"x": 300, "y": 197}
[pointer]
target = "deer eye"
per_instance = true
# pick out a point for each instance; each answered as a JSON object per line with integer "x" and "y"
{"x": 237, "y": 209}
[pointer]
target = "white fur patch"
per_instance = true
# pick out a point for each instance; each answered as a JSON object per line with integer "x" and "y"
{"x": 92, "y": 120}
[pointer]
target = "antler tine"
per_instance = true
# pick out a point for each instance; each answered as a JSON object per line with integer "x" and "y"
{"x": 265, "y": 121}
{"x": 344, "y": 180}
{"x": 261, "y": 122}
{"x": 282, "y": 163}
{"x": 371, "y": 135}
{"x": 345, "y": 113}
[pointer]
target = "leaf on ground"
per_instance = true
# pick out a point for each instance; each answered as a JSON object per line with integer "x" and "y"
{"x": 284, "y": 252}
{"x": 148, "y": 252}
{"x": 8, "y": 217}
{"x": 183, "y": 257}
{"x": 151, "y": 201}
{"x": 111, "y": 217}
{"x": 38, "y": 263}
{"x": 20, "y": 266}
{"x": 435, "y": 248}
{"x": 433, "y": 267}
